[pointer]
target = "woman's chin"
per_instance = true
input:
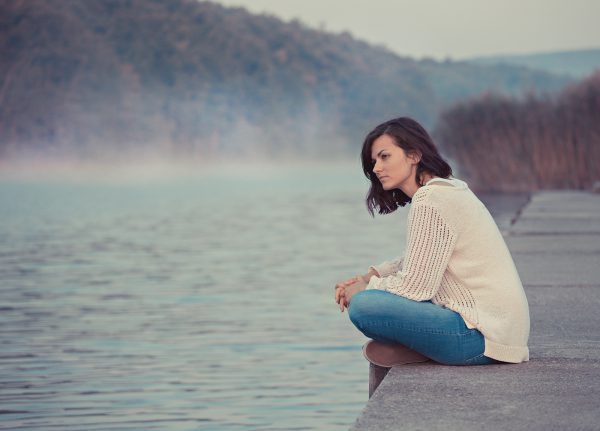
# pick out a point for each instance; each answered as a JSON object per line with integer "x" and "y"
{"x": 389, "y": 187}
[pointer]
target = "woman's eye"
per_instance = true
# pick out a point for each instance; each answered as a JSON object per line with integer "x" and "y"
{"x": 384, "y": 156}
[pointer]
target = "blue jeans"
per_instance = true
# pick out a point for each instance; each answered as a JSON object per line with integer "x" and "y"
{"x": 432, "y": 330}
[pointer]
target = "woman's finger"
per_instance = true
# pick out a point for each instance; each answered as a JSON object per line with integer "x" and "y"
{"x": 341, "y": 301}
{"x": 346, "y": 283}
{"x": 341, "y": 294}
{"x": 338, "y": 294}
{"x": 353, "y": 280}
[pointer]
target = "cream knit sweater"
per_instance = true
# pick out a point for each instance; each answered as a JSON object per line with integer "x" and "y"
{"x": 456, "y": 257}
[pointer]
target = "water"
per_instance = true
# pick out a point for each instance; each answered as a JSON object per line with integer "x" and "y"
{"x": 185, "y": 302}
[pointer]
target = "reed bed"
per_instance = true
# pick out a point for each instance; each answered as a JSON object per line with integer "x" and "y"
{"x": 506, "y": 144}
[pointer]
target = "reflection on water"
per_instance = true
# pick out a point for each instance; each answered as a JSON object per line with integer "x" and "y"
{"x": 194, "y": 302}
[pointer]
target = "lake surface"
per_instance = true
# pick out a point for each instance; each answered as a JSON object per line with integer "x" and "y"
{"x": 186, "y": 300}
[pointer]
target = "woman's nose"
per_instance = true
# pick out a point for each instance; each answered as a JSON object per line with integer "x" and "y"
{"x": 376, "y": 167}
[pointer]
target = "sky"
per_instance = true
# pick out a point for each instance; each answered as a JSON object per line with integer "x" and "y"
{"x": 455, "y": 29}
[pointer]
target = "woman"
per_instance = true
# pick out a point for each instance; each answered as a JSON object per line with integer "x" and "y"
{"x": 455, "y": 296}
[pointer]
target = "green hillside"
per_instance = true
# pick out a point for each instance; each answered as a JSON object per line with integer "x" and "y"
{"x": 180, "y": 78}
{"x": 576, "y": 63}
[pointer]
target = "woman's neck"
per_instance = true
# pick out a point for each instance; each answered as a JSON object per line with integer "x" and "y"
{"x": 425, "y": 176}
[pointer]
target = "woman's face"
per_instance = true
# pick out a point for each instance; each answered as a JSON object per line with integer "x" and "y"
{"x": 394, "y": 168}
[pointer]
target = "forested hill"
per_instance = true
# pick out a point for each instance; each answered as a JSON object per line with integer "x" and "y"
{"x": 577, "y": 63}
{"x": 181, "y": 78}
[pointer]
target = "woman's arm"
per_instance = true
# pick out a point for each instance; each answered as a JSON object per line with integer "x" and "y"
{"x": 386, "y": 268}
{"x": 430, "y": 244}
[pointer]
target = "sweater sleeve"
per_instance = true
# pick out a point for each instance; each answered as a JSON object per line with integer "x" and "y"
{"x": 388, "y": 267}
{"x": 430, "y": 244}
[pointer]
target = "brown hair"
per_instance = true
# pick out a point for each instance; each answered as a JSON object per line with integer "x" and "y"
{"x": 411, "y": 137}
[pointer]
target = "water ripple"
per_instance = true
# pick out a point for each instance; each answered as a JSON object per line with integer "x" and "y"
{"x": 177, "y": 308}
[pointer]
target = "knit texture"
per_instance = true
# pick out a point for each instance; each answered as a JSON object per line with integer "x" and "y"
{"x": 456, "y": 257}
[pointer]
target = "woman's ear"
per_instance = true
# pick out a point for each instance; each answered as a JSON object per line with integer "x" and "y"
{"x": 414, "y": 156}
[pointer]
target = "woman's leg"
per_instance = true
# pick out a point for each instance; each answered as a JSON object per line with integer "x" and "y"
{"x": 436, "y": 332}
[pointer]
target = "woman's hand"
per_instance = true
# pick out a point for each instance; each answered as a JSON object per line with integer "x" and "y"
{"x": 346, "y": 289}
{"x": 340, "y": 296}
{"x": 350, "y": 291}
{"x": 339, "y": 291}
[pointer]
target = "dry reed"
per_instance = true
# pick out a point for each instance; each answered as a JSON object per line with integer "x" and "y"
{"x": 538, "y": 142}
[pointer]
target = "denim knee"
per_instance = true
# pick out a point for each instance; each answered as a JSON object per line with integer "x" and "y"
{"x": 361, "y": 307}
{"x": 355, "y": 309}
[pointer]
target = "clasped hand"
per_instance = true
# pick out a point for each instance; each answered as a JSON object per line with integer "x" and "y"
{"x": 345, "y": 290}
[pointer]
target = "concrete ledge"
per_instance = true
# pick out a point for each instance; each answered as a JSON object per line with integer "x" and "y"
{"x": 543, "y": 394}
{"x": 555, "y": 243}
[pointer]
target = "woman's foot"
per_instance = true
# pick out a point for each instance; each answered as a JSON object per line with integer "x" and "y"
{"x": 388, "y": 355}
